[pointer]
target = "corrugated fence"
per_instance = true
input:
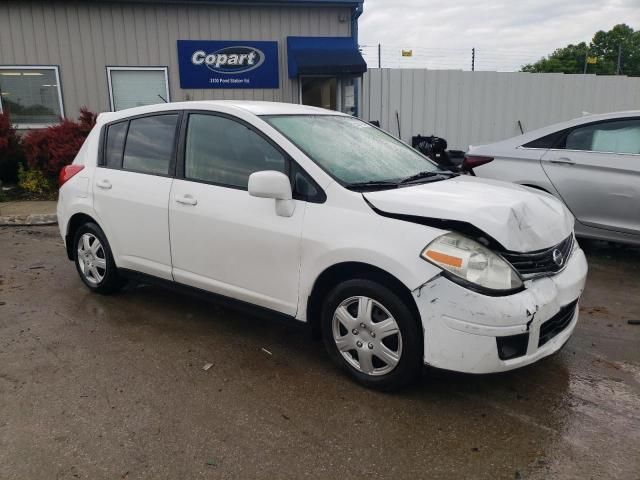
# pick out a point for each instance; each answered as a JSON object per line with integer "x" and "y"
{"x": 471, "y": 108}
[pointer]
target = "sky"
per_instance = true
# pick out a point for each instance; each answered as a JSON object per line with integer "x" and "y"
{"x": 505, "y": 33}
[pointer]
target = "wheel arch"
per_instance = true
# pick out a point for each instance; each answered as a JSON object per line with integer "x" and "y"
{"x": 340, "y": 272}
{"x": 74, "y": 223}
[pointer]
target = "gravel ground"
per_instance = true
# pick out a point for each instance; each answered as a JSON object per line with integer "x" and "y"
{"x": 113, "y": 387}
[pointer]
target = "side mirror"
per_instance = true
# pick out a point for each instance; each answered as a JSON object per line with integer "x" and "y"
{"x": 272, "y": 184}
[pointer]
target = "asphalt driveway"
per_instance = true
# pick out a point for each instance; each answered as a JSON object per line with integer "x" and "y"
{"x": 113, "y": 387}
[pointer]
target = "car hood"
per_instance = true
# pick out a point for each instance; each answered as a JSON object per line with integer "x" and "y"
{"x": 519, "y": 218}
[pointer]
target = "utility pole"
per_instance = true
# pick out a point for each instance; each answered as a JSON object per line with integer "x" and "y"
{"x": 618, "y": 69}
{"x": 379, "y": 56}
{"x": 473, "y": 59}
{"x": 586, "y": 60}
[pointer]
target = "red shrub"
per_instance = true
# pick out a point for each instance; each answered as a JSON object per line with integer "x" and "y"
{"x": 10, "y": 150}
{"x": 52, "y": 148}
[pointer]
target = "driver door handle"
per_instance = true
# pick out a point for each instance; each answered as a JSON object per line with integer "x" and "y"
{"x": 105, "y": 184}
{"x": 186, "y": 199}
{"x": 563, "y": 160}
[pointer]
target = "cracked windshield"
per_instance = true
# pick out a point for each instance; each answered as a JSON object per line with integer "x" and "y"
{"x": 351, "y": 150}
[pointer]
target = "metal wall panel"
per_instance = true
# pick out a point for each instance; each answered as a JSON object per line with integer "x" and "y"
{"x": 470, "y": 108}
{"x": 83, "y": 38}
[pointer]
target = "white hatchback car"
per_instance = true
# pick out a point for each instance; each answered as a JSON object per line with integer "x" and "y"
{"x": 321, "y": 217}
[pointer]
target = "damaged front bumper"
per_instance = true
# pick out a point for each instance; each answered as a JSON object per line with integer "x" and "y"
{"x": 470, "y": 332}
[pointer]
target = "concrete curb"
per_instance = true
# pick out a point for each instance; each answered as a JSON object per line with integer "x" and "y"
{"x": 34, "y": 219}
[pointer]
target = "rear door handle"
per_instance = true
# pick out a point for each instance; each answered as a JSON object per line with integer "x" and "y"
{"x": 563, "y": 160}
{"x": 105, "y": 184}
{"x": 186, "y": 199}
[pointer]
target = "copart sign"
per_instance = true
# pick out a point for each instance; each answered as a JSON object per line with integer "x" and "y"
{"x": 228, "y": 64}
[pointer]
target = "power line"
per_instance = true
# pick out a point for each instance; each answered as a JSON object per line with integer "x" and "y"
{"x": 463, "y": 50}
{"x": 390, "y": 56}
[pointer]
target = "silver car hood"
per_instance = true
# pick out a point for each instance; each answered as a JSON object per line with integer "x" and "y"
{"x": 519, "y": 218}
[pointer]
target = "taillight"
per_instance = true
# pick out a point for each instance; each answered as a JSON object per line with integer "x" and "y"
{"x": 68, "y": 172}
{"x": 472, "y": 161}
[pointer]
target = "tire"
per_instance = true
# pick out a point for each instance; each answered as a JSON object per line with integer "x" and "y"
{"x": 94, "y": 261}
{"x": 374, "y": 356}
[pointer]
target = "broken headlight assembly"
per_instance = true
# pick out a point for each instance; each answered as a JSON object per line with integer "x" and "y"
{"x": 472, "y": 265}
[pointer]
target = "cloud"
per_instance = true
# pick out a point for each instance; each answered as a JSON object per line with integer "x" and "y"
{"x": 505, "y": 33}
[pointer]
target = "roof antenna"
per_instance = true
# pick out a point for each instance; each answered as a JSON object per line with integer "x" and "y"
{"x": 162, "y": 98}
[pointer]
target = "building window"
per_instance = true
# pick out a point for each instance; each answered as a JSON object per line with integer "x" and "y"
{"x": 31, "y": 95}
{"x": 137, "y": 86}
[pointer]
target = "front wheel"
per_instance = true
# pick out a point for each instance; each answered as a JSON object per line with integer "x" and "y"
{"x": 94, "y": 261}
{"x": 371, "y": 333}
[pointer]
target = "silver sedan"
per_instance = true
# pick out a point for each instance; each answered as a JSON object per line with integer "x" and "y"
{"x": 591, "y": 163}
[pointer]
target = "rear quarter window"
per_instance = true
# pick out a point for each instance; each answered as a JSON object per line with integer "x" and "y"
{"x": 548, "y": 141}
{"x": 115, "y": 144}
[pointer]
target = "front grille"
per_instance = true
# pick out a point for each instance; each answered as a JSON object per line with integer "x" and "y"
{"x": 557, "y": 323}
{"x": 541, "y": 262}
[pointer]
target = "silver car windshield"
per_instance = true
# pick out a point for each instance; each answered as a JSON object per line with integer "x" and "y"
{"x": 351, "y": 150}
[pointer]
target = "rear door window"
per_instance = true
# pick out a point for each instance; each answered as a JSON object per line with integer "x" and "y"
{"x": 150, "y": 144}
{"x": 621, "y": 136}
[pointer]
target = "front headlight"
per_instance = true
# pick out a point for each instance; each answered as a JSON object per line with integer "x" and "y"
{"x": 469, "y": 261}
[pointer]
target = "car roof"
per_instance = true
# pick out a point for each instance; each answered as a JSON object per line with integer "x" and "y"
{"x": 556, "y": 127}
{"x": 254, "y": 107}
{"x": 586, "y": 118}
{"x": 594, "y": 117}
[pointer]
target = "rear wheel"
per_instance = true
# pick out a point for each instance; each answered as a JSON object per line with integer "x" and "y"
{"x": 94, "y": 261}
{"x": 372, "y": 334}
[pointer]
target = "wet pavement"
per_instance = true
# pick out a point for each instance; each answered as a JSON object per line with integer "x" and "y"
{"x": 113, "y": 387}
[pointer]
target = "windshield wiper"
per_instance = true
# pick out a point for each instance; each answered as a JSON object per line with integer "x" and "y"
{"x": 388, "y": 184}
{"x": 427, "y": 174}
{"x": 378, "y": 184}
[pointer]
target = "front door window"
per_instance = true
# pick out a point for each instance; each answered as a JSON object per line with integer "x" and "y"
{"x": 224, "y": 152}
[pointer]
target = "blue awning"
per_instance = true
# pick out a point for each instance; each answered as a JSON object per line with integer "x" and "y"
{"x": 324, "y": 56}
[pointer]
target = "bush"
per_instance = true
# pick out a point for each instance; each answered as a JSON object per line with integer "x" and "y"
{"x": 50, "y": 149}
{"x": 10, "y": 150}
{"x": 34, "y": 182}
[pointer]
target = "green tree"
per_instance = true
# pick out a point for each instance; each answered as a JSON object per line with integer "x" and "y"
{"x": 603, "y": 47}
